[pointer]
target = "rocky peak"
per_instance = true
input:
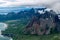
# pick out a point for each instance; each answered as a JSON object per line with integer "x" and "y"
{"x": 42, "y": 22}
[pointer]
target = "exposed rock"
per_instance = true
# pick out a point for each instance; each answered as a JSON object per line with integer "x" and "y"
{"x": 42, "y": 23}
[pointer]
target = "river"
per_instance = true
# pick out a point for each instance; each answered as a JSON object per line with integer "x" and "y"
{"x": 4, "y": 26}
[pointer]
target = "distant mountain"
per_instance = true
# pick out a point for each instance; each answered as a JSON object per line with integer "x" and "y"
{"x": 5, "y": 10}
{"x": 20, "y": 12}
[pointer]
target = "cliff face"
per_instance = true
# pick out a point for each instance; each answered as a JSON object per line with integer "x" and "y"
{"x": 43, "y": 22}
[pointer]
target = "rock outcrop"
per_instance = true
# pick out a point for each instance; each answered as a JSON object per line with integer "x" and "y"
{"x": 43, "y": 22}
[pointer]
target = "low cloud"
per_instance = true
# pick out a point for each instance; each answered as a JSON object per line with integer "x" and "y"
{"x": 53, "y": 4}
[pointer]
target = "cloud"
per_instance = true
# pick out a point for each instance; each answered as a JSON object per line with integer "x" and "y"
{"x": 10, "y": 0}
{"x": 28, "y": 2}
{"x": 53, "y": 4}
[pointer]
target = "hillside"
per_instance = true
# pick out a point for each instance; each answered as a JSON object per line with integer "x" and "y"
{"x": 15, "y": 32}
{"x": 23, "y": 19}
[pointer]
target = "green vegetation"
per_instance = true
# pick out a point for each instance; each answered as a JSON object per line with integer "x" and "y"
{"x": 16, "y": 28}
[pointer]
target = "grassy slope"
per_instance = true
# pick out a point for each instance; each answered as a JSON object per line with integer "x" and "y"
{"x": 16, "y": 27}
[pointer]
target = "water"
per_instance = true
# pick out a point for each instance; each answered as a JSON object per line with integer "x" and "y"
{"x": 3, "y": 26}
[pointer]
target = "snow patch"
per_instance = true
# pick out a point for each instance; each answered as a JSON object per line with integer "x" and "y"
{"x": 41, "y": 11}
{"x": 48, "y": 9}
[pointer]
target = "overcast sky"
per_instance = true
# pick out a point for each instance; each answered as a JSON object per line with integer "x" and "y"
{"x": 55, "y": 4}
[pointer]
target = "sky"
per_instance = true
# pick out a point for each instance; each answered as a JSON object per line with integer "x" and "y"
{"x": 9, "y": 3}
{"x": 53, "y": 4}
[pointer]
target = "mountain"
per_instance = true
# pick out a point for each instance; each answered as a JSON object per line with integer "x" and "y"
{"x": 44, "y": 21}
{"x": 5, "y": 10}
{"x": 35, "y": 15}
{"x": 39, "y": 21}
{"x": 12, "y": 13}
